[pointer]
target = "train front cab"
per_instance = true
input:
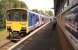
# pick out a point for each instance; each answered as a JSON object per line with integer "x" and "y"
{"x": 17, "y": 23}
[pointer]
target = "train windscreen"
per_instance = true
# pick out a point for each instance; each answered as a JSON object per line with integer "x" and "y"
{"x": 16, "y": 15}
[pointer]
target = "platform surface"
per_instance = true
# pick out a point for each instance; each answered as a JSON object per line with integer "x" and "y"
{"x": 45, "y": 39}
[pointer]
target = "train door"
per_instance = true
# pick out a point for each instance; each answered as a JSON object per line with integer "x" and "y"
{"x": 33, "y": 19}
{"x": 30, "y": 21}
{"x": 40, "y": 20}
{"x": 37, "y": 20}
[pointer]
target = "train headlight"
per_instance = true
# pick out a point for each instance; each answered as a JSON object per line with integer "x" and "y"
{"x": 23, "y": 28}
{"x": 9, "y": 28}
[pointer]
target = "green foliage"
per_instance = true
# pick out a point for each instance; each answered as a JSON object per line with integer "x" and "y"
{"x": 49, "y": 13}
{"x": 38, "y": 11}
{"x": 23, "y": 5}
{"x": 7, "y": 4}
{"x": 41, "y": 12}
{"x": 35, "y": 10}
{"x": 46, "y": 12}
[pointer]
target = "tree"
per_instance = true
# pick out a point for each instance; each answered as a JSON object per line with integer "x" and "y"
{"x": 41, "y": 12}
{"x": 48, "y": 13}
{"x": 23, "y": 5}
{"x": 35, "y": 10}
{"x": 7, "y": 4}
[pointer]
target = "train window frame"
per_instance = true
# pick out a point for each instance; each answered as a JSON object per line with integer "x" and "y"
{"x": 18, "y": 10}
{"x": 42, "y": 18}
{"x": 37, "y": 18}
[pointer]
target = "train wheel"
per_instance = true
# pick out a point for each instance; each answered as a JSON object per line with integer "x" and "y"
{"x": 14, "y": 37}
{"x": 9, "y": 36}
{"x": 23, "y": 34}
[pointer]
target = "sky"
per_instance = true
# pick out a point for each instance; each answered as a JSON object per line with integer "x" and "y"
{"x": 40, "y": 4}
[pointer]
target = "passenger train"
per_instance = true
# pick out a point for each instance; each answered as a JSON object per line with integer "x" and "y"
{"x": 68, "y": 21}
{"x": 20, "y": 22}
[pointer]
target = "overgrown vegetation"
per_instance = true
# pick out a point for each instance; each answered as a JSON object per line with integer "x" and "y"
{"x": 7, "y": 4}
{"x": 46, "y": 12}
{"x": 4, "y": 5}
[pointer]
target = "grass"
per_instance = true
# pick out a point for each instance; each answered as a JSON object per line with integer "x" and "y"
{"x": 3, "y": 34}
{"x": 2, "y": 29}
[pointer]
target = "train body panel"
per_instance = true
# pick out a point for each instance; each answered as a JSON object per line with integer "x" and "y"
{"x": 15, "y": 26}
{"x": 33, "y": 20}
{"x": 16, "y": 20}
{"x": 21, "y": 21}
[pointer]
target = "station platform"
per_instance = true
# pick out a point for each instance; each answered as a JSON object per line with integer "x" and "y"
{"x": 45, "y": 39}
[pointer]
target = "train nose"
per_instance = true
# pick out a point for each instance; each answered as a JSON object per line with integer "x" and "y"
{"x": 16, "y": 26}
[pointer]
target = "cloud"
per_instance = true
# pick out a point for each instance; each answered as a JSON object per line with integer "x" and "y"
{"x": 39, "y": 4}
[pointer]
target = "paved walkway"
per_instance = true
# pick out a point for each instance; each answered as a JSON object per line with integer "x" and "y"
{"x": 45, "y": 39}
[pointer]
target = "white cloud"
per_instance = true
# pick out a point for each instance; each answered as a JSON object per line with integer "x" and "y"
{"x": 40, "y": 4}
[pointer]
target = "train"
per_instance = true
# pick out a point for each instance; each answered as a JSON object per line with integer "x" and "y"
{"x": 20, "y": 22}
{"x": 68, "y": 22}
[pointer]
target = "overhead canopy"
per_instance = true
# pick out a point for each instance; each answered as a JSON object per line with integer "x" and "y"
{"x": 58, "y": 5}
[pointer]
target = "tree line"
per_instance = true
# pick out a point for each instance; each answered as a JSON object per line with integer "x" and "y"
{"x": 46, "y": 12}
{"x": 7, "y": 4}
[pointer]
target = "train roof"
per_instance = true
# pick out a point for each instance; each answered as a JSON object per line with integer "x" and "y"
{"x": 37, "y": 13}
{"x": 34, "y": 12}
{"x": 17, "y": 9}
{"x": 27, "y": 10}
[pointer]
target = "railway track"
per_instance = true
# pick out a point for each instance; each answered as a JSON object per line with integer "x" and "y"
{"x": 7, "y": 45}
{"x": 44, "y": 39}
{"x": 27, "y": 39}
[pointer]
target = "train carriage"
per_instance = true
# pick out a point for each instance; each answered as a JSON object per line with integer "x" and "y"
{"x": 20, "y": 22}
{"x": 34, "y": 20}
{"x": 17, "y": 22}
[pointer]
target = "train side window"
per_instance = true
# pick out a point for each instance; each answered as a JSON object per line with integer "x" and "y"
{"x": 33, "y": 14}
{"x": 42, "y": 19}
{"x": 10, "y": 17}
{"x": 37, "y": 19}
